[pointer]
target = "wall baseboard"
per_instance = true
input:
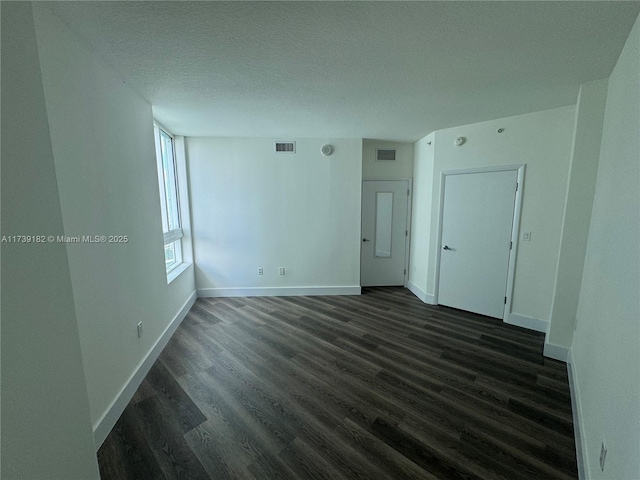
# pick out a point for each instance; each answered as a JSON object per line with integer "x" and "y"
{"x": 106, "y": 423}
{"x": 421, "y": 294}
{"x": 556, "y": 352}
{"x": 576, "y": 410}
{"x": 278, "y": 291}
{"x": 528, "y": 322}
{"x": 417, "y": 291}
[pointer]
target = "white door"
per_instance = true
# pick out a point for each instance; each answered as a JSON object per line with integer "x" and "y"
{"x": 477, "y": 221}
{"x": 384, "y": 232}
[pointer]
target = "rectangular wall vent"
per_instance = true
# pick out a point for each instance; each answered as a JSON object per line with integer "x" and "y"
{"x": 285, "y": 147}
{"x": 385, "y": 154}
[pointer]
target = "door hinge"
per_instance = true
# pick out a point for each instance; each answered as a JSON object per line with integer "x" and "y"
{"x": 405, "y": 271}
{"x": 505, "y": 300}
{"x": 407, "y": 192}
{"x": 510, "y": 245}
{"x": 516, "y": 186}
{"x": 406, "y": 233}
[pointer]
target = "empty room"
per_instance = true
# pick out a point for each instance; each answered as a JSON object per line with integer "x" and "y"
{"x": 320, "y": 240}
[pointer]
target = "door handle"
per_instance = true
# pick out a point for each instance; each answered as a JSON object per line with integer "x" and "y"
{"x": 366, "y": 240}
{"x": 446, "y": 247}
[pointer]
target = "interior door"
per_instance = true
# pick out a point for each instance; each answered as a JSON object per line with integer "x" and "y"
{"x": 477, "y": 221}
{"x": 384, "y": 232}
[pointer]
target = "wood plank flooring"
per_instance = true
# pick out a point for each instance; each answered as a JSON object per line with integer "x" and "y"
{"x": 377, "y": 386}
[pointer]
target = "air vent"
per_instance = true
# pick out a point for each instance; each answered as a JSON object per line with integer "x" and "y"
{"x": 285, "y": 147}
{"x": 385, "y": 155}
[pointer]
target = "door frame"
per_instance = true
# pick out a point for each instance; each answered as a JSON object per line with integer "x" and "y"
{"x": 407, "y": 241}
{"x": 515, "y": 228}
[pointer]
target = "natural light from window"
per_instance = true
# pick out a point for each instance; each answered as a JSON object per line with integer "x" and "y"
{"x": 169, "y": 203}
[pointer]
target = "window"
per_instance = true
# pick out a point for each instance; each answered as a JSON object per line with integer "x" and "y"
{"x": 169, "y": 202}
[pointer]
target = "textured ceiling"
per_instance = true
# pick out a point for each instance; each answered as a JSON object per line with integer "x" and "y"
{"x": 387, "y": 70}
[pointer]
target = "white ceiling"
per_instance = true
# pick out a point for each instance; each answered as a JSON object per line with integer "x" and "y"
{"x": 387, "y": 70}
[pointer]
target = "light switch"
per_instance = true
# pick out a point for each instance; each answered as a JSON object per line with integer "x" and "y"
{"x": 526, "y": 236}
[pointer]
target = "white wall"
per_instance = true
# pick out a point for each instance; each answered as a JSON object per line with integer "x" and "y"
{"x": 605, "y": 349}
{"x": 46, "y": 429}
{"x": 421, "y": 221}
{"x": 577, "y": 213}
{"x": 542, "y": 141}
{"x": 252, "y": 208}
{"x": 401, "y": 168}
{"x": 102, "y": 139}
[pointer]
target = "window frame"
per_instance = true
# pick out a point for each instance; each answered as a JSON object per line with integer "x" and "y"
{"x": 171, "y": 236}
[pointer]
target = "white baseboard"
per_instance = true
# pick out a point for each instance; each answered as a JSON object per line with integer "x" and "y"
{"x": 102, "y": 428}
{"x": 576, "y": 410}
{"x": 421, "y": 294}
{"x": 556, "y": 352}
{"x": 278, "y": 291}
{"x": 528, "y": 322}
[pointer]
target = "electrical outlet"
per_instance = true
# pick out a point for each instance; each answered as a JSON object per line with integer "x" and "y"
{"x": 139, "y": 329}
{"x": 603, "y": 456}
{"x": 280, "y": 270}
{"x": 260, "y": 271}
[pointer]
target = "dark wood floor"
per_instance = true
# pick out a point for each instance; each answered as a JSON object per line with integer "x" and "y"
{"x": 377, "y": 386}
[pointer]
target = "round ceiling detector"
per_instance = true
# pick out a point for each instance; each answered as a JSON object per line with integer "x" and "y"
{"x": 326, "y": 150}
{"x": 459, "y": 141}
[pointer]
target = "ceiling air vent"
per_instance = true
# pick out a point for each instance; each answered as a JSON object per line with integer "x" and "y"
{"x": 285, "y": 147}
{"x": 385, "y": 154}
